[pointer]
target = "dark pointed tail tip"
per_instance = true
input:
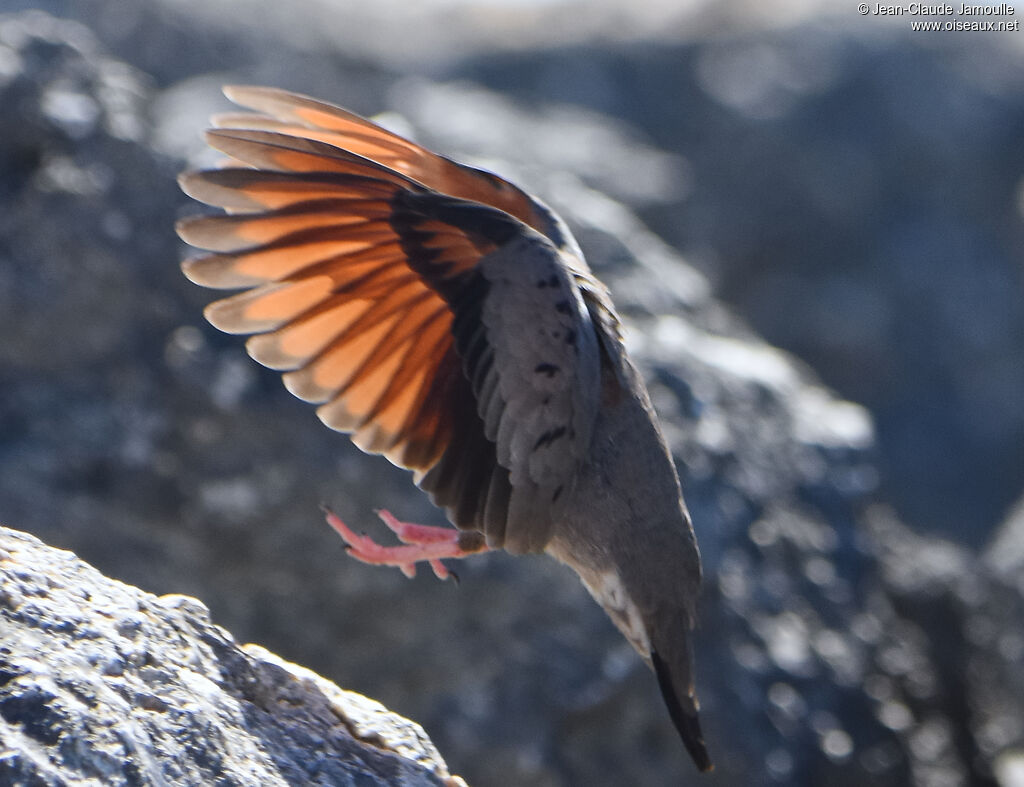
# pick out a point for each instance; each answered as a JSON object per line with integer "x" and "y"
{"x": 686, "y": 723}
{"x": 693, "y": 739}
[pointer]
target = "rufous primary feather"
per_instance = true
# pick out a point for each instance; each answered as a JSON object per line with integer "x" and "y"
{"x": 446, "y": 319}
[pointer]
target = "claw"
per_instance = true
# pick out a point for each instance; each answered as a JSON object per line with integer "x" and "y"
{"x": 420, "y": 543}
{"x": 440, "y": 570}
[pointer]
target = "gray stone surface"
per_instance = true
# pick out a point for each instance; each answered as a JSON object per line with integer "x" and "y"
{"x": 837, "y": 644}
{"x": 103, "y": 683}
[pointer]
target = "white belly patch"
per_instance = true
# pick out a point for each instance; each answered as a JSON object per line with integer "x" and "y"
{"x": 610, "y": 594}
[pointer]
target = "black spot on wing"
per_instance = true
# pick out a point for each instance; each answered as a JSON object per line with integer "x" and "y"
{"x": 547, "y": 369}
{"x": 549, "y": 437}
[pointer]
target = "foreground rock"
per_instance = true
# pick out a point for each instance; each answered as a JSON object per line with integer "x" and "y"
{"x": 101, "y": 681}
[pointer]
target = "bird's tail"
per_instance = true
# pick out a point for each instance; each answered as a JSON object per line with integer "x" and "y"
{"x": 682, "y": 707}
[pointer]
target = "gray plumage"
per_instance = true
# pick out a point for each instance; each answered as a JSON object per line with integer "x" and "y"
{"x": 447, "y": 320}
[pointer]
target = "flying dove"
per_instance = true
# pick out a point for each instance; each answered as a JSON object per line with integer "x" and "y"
{"x": 446, "y": 319}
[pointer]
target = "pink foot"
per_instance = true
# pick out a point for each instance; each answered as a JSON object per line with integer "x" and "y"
{"x": 420, "y": 542}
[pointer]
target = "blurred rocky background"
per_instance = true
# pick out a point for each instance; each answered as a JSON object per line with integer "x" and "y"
{"x": 797, "y": 207}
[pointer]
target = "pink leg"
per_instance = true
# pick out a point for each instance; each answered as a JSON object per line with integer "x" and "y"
{"x": 420, "y": 542}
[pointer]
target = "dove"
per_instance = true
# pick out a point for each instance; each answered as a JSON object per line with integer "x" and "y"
{"x": 444, "y": 318}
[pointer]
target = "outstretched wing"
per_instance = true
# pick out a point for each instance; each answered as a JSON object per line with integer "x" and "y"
{"x": 300, "y": 116}
{"x": 443, "y": 333}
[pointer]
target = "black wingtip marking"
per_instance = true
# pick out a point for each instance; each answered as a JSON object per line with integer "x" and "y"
{"x": 687, "y": 724}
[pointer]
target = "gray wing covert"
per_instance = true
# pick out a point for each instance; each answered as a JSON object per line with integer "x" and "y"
{"x": 537, "y": 392}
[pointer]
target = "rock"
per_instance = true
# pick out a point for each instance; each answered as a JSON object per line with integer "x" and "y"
{"x": 104, "y": 683}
